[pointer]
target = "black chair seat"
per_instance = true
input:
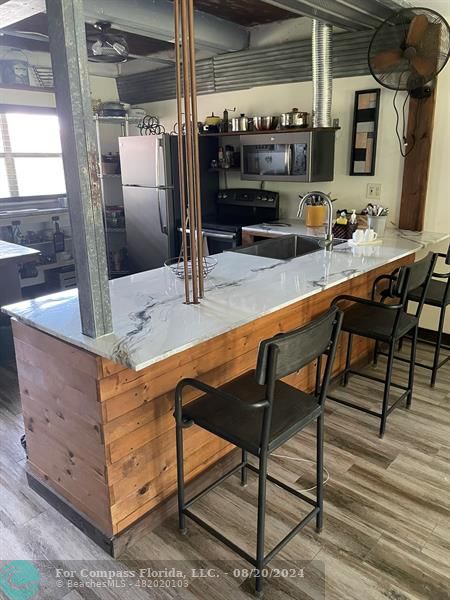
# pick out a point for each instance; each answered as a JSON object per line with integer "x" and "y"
{"x": 376, "y": 323}
{"x": 292, "y": 410}
{"x": 434, "y": 296}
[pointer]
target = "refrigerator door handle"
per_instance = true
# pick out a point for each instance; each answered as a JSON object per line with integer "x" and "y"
{"x": 159, "y": 161}
{"x": 157, "y": 165}
{"x": 162, "y": 222}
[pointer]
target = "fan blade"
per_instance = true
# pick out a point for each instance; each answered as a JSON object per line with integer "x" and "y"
{"x": 417, "y": 28}
{"x": 382, "y": 61}
{"x": 424, "y": 66}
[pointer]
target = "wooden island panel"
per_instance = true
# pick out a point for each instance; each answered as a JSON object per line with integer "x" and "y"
{"x": 103, "y": 436}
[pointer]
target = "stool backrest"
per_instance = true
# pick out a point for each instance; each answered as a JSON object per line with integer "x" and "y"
{"x": 413, "y": 276}
{"x": 287, "y": 353}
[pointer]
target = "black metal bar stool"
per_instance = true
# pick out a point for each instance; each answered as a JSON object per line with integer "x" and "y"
{"x": 438, "y": 295}
{"x": 258, "y": 413}
{"x": 388, "y": 323}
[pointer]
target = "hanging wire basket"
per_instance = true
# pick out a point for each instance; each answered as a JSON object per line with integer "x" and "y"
{"x": 176, "y": 265}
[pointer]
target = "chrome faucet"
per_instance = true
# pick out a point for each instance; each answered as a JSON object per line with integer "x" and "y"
{"x": 327, "y": 201}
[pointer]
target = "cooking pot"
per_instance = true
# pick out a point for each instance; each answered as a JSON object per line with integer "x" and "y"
{"x": 295, "y": 118}
{"x": 265, "y": 123}
{"x": 213, "y": 120}
{"x": 240, "y": 123}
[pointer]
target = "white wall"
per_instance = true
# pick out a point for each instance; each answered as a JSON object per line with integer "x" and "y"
{"x": 351, "y": 191}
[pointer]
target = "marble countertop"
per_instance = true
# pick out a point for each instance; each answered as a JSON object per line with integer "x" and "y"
{"x": 151, "y": 322}
{"x": 285, "y": 227}
{"x": 15, "y": 252}
{"x": 297, "y": 227}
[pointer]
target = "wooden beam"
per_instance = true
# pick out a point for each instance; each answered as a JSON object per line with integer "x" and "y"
{"x": 417, "y": 163}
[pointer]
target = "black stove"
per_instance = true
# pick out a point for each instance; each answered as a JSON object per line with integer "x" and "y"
{"x": 236, "y": 208}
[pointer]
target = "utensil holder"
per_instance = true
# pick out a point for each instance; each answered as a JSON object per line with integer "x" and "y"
{"x": 378, "y": 224}
{"x": 315, "y": 216}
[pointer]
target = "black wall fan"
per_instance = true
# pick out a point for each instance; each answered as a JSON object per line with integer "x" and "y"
{"x": 409, "y": 49}
{"x": 406, "y": 53}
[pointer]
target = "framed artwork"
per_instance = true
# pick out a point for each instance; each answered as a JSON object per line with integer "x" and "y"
{"x": 365, "y": 127}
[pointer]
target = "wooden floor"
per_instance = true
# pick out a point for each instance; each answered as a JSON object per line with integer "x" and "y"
{"x": 387, "y": 509}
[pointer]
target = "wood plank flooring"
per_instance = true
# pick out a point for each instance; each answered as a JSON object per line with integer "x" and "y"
{"x": 387, "y": 511}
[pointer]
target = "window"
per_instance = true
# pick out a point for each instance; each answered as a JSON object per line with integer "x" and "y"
{"x": 30, "y": 155}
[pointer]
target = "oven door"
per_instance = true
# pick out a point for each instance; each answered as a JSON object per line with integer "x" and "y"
{"x": 220, "y": 241}
{"x": 279, "y": 157}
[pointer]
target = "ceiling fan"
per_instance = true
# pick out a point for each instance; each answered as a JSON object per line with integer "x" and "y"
{"x": 105, "y": 45}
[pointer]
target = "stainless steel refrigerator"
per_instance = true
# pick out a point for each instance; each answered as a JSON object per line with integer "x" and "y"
{"x": 150, "y": 188}
{"x": 149, "y": 166}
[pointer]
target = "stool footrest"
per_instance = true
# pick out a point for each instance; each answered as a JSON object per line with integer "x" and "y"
{"x": 394, "y": 404}
{"x": 420, "y": 364}
{"x": 367, "y": 410}
{"x": 291, "y": 534}
{"x": 353, "y": 405}
{"x": 245, "y": 555}
{"x": 214, "y": 484}
{"x": 284, "y": 486}
{"x": 427, "y": 342}
{"x": 231, "y": 544}
{"x": 378, "y": 379}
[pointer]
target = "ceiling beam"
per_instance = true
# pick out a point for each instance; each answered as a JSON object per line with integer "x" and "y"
{"x": 13, "y": 11}
{"x": 351, "y": 15}
{"x": 155, "y": 19}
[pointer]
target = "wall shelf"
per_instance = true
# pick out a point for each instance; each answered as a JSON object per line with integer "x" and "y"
{"x": 222, "y": 170}
{"x": 269, "y": 131}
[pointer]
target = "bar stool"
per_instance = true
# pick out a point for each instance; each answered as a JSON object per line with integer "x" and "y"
{"x": 386, "y": 323}
{"x": 258, "y": 413}
{"x": 438, "y": 295}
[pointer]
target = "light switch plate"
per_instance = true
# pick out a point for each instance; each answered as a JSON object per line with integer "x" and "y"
{"x": 373, "y": 191}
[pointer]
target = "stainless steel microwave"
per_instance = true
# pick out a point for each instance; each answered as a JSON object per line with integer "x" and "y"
{"x": 300, "y": 156}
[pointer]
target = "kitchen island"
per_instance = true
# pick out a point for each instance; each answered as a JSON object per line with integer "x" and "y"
{"x": 98, "y": 412}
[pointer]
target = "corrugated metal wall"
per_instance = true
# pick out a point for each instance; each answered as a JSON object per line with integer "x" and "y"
{"x": 285, "y": 63}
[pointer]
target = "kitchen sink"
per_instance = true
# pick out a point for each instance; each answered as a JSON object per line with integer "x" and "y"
{"x": 286, "y": 247}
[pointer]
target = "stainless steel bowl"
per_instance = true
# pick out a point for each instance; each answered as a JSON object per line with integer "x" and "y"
{"x": 265, "y": 123}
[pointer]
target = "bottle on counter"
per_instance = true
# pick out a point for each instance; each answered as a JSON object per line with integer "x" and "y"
{"x": 225, "y": 121}
{"x": 58, "y": 236}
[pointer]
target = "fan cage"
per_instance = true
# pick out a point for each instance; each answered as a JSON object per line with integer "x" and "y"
{"x": 392, "y": 34}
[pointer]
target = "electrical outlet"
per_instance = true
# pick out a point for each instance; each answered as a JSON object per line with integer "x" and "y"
{"x": 373, "y": 191}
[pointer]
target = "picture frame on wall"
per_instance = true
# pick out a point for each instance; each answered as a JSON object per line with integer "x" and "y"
{"x": 365, "y": 132}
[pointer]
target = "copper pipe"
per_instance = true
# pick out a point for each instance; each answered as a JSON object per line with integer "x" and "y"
{"x": 184, "y": 249}
{"x": 189, "y": 150}
{"x": 197, "y": 192}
